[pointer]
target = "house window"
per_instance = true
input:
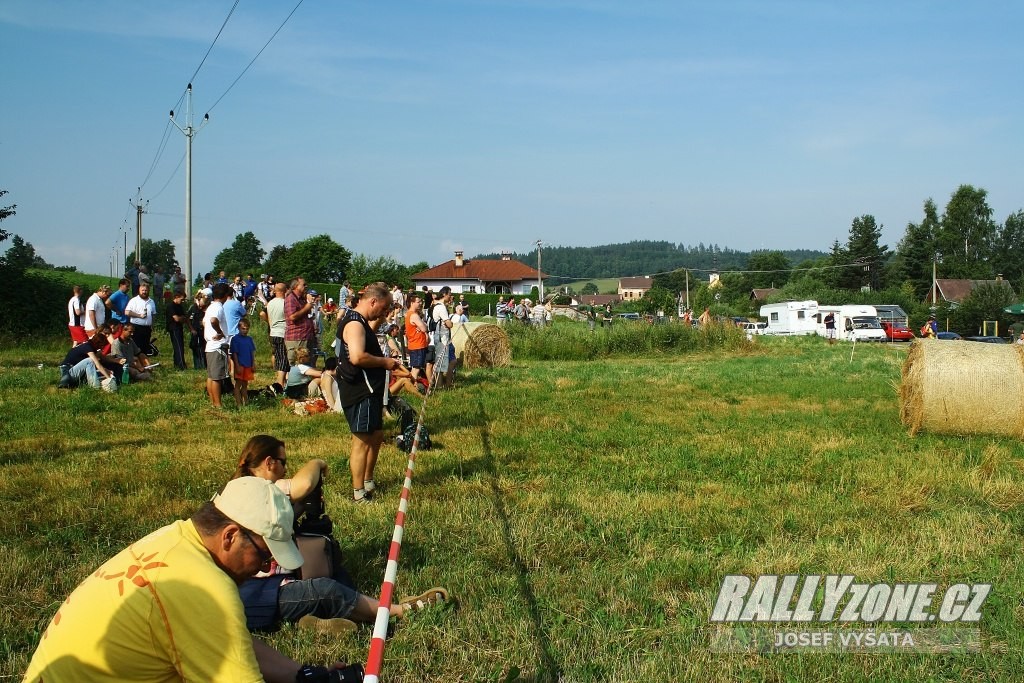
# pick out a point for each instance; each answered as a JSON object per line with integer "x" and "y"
{"x": 469, "y": 289}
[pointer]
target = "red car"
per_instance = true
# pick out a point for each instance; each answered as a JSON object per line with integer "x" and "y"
{"x": 897, "y": 332}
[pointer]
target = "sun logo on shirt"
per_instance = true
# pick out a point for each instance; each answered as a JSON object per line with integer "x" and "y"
{"x": 132, "y": 573}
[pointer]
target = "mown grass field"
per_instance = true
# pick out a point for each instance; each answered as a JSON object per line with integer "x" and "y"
{"x": 583, "y": 513}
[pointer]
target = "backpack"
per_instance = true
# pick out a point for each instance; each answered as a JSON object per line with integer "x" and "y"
{"x": 404, "y": 440}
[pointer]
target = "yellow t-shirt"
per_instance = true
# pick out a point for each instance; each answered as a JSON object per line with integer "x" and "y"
{"x": 160, "y": 610}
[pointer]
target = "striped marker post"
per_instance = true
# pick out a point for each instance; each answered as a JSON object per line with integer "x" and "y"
{"x": 380, "y": 625}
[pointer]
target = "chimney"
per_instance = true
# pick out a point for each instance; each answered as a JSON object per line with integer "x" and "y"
{"x": 506, "y": 256}
{"x": 458, "y": 259}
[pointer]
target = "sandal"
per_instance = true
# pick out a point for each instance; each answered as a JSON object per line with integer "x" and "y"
{"x": 434, "y": 596}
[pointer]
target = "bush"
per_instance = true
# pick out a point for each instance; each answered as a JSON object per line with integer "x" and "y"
{"x": 568, "y": 340}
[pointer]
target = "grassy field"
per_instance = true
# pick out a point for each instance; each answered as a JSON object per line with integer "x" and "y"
{"x": 583, "y": 513}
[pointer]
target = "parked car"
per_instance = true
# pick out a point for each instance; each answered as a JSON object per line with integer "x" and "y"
{"x": 897, "y": 331}
{"x": 629, "y": 316}
{"x": 948, "y": 336}
{"x": 987, "y": 340}
{"x": 754, "y": 328}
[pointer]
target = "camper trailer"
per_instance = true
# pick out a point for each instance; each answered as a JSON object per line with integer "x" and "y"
{"x": 791, "y": 317}
{"x": 853, "y": 322}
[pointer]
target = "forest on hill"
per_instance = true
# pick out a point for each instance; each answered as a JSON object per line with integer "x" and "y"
{"x": 641, "y": 257}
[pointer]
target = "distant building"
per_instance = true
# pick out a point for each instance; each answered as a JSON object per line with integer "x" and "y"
{"x": 599, "y": 300}
{"x": 763, "y": 294}
{"x": 481, "y": 276}
{"x": 633, "y": 288}
{"x": 953, "y": 292}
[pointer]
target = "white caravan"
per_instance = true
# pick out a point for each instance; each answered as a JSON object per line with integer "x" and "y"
{"x": 791, "y": 317}
{"x": 853, "y": 322}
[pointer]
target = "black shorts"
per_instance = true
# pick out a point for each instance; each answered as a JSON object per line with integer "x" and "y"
{"x": 418, "y": 358}
{"x": 367, "y": 416}
{"x": 280, "y": 354}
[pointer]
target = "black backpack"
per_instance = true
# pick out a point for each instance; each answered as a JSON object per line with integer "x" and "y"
{"x": 404, "y": 440}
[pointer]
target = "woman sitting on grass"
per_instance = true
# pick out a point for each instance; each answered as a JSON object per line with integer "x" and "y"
{"x": 324, "y": 604}
{"x": 301, "y": 376}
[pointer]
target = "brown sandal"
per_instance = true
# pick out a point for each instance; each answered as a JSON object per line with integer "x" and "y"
{"x": 415, "y": 603}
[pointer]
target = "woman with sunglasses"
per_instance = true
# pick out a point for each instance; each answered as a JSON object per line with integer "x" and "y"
{"x": 275, "y": 595}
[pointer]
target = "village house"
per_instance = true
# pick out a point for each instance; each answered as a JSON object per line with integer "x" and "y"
{"x": 953, "y": 292}
{"x": 480, "y": 276}
{"x": 633, "y": 288}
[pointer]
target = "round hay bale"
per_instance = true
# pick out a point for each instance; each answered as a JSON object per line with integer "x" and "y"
{"x": 481, "y": 345}
{"x": 960, "y": 387}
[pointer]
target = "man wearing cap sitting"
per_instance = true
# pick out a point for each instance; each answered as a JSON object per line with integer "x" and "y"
{"x": 167, "y": 607}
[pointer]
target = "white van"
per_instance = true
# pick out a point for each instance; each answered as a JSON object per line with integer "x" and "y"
{"x": 791, "y": 317}
{"x": 853, "y": 322}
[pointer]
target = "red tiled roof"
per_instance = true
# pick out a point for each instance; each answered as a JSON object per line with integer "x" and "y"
{"x": 484, "y": 270}
{"x": 762, "y": 294}
{"x": 955, "y": 291}
{"x": 599, "y": 299}
{"x": 635, "y": 283}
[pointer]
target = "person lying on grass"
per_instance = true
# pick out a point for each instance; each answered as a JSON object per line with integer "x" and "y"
{"x": 324, "y": 604}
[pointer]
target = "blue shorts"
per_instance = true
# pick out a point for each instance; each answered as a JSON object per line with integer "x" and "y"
{"x": 418, "y": 358}
{"x": 367, "y": 416}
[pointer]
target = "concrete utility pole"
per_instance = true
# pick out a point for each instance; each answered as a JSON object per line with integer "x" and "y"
{"x": 189, "y": 133}
{"x": 140, "y": 208}
{"x": 540, "y": 282}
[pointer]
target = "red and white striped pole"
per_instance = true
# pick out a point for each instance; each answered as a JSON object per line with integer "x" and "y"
{"x": 387, "y": 589}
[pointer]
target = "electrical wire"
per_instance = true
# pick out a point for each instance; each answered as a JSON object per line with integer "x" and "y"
{"x": 256, "y": 57}
{"x": 173, "y": 174}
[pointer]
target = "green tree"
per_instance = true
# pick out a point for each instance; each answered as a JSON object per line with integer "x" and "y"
{"x": 916, "y": 251}
{"x": 21, "y": 255}
{"x": 589, "y": 289}
{"x": 658, "y": 299}
{"x": 966, "y": 235}
{"x": 1008, "y": 257}
{"x": 6, "y": 212}
{"x": 245, "y": 255}
{"x": 771, "y": 269}
{"x": 154, "y": 254}
{"x": 317, "y": 259}
{"x": 985, "y": 302}
{"x": 865, "y": 255}
{"x": 364, "y": 270}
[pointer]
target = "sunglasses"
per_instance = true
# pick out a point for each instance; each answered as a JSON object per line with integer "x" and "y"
{"x": 265, "y": 555}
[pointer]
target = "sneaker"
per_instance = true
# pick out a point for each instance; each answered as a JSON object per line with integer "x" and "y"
{"x": 336, "y": 626}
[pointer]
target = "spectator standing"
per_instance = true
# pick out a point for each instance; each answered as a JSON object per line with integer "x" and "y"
{"x": 606, "y": 316}
{"x": 298, "y": 324}
{"x": 140, "y": 311}
{"x": 176, "y": 319}
{"x": 276, "y": 321}
{"x": 234, "y": 311}
{"x": 178, "y": 280}
{"x": 243, "y": 360}
{"x": 132, "y": 275}
{"x": 238, "y": 287}
{"x": 465, "y": 305}
{"x": 214, "y": 332}
{"x": 705, "y": 318}
{"x": 416, "y": 337}
{"x": 76, "y": 316}
{"x": 158, "y": 284}
{"x": 144, "y": 278}
{"x": 118, "y": 300}
{"x": 362, "y": 372}
{"x": 195, "y": 324}
{"x": 830, "y": 328}
{"x": 343, "y": 295}
{"x": 444, "y": 352}
{"x": 500, "y": 311}
{"x": 249, "y": 288}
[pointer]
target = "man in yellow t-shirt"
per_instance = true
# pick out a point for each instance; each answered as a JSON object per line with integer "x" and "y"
{"x": 167, "y": 607}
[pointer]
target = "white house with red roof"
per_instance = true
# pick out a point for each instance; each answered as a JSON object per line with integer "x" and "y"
{"x": 480, "y": 276}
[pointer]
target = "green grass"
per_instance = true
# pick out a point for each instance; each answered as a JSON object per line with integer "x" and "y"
{"x": 583, "y": 513}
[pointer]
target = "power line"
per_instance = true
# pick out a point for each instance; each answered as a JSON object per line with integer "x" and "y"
{"x": 254, "y": 58}
{"x": 173, "y": 174}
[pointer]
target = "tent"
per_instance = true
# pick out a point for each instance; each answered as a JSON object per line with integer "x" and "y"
{"x": 1015, "y": 309}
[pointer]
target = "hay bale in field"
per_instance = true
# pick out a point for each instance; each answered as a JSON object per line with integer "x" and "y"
{"x": 955, "y": 387}
{"x": 481, "y": 345}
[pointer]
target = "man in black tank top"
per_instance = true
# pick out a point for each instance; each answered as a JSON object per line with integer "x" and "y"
{"x": 362, "y": 380}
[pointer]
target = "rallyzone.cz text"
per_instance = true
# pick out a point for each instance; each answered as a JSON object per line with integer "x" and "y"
{"x": 773, "y": 598}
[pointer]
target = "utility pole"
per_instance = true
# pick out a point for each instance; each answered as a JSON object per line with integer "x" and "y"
{"x": 540, "y": 282}
{"x": 189, "y": 133}
{"x": 140, "y": 208}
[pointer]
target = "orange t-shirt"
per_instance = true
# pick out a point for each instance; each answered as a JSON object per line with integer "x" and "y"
{"x": 414, "y": 339}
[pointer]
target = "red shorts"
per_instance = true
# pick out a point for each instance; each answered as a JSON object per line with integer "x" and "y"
{"x": 244, "y": 374}
{"x": 78, "y": 334}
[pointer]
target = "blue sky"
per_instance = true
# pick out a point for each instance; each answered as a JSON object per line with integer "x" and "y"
{"x": 411, "y": 129}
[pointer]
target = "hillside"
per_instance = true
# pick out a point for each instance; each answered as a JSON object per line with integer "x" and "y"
{"x": 639, "y": 257}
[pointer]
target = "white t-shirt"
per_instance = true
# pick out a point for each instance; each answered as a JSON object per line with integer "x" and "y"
{"x": 139, "y": 305}
{"x": 215, "y": 310}
{"x": 75, "y": 310}
{"x": 95, "y": 304}
{"x": 440, "y": 313}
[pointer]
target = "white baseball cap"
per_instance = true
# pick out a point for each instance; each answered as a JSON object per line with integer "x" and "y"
{"x": 263, "y": 508}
